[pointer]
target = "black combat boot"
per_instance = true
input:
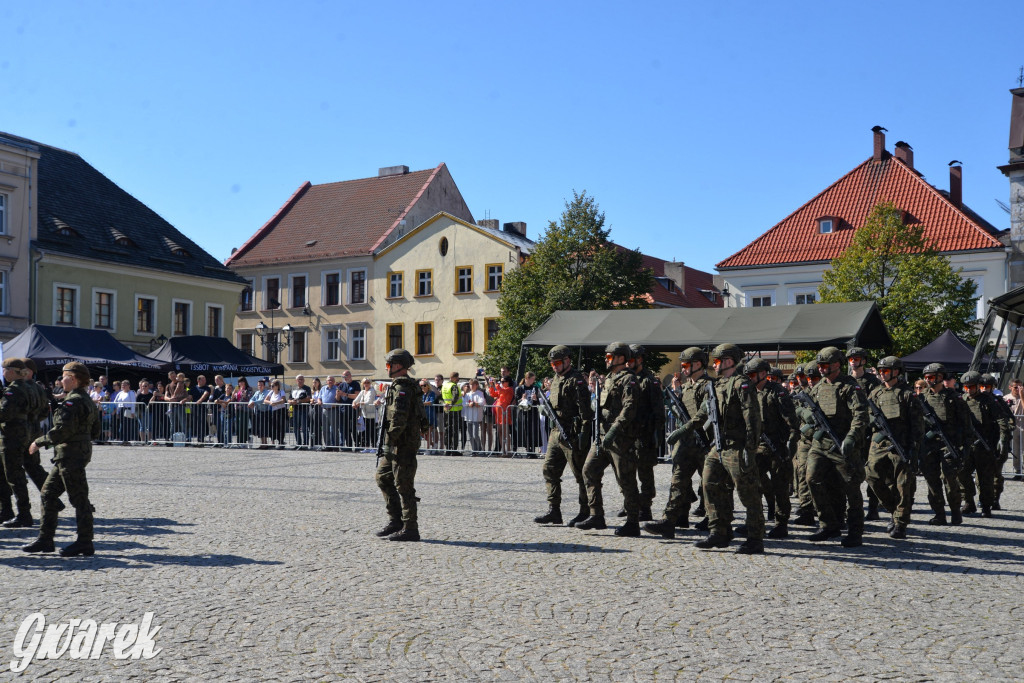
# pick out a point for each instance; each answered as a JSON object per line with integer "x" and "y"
{"x": 779, "y": 531}
{"x": 406, "y": 534}
{"x": 23, "y": 520}
{"x": 663, "y": 527}
{"x": 986, "y": 512}
{"x": 553, "y": 516}
{"x": 968, "y": 508}
{"x": 701, "y": 511}
{"x": 712, "y": 541}
{"x": 741, "y": 530}
{"x": 583, "y": 514}
{"x": 630, "y": 528}
{"x": 592, "y": 522}
{"x": 751, "y": 547}
{"x": 645, "y": 514}
{"x": 621, "y": 513}
{"x": 79, "y": 547}
{"x": 683, "y": 522}
{"x": 393, "y": 526}
{"x": 702, "y": 525}
{"x": 805, "y": 518}
{"x": 955, "y": 518}
{"x": 872, "y": 514}
{"x": 852, "y": 540}
{"x": 939, "y": 519}
{"x": 995, "y": 504}
{"x": 824, "y": 533}
{"x": 898, "y": 531}
{"x": 40, "y": 545}
{"x": 6, "y": 510}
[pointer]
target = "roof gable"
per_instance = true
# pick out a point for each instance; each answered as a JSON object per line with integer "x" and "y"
{"x": 512, "y": 241}
{"x": 666, "y": 291}
{"x": 849, "y": 201}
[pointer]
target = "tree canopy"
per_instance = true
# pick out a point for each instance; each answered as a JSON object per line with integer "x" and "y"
{"x": 918, "y": 292}
{"x": 573, "y": 266}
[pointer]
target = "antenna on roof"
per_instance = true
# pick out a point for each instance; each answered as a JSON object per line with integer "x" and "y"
{"x": 1020, "y": 78}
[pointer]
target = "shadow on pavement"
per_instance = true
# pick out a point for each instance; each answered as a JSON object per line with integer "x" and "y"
{"x": 529, "y": 547}
{"x": 136, "y": 526}
{"x": 108, "y": 558}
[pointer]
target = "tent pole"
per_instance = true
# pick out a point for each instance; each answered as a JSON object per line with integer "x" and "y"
{"x": 520, "y": 370}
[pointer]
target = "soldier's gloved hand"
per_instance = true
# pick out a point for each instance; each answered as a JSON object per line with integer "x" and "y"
{"x": 931, "y": 436}
{"x": 804, "y": 414}
{"x": 849, "y": 446}
{"x": 610, "y": 436}
{"x": 677, "y": 434}
{"x": 878, "y": 437}
{"x": 807, "y": 429}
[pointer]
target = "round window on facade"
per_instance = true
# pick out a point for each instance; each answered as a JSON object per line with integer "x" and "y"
{"x": 443, "y": 246}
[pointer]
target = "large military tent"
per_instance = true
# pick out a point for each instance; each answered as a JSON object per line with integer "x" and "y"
{"x": 216, "y": 355}
{"x": 950, "y": 350}
{"x": 52, "y": 346}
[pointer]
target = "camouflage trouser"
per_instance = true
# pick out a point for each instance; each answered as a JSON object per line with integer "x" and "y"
{"x": 396, "y": 476}
{"x": 720, "y": 477}
{"x": 558, "y": 456}
{"x": 66, "y": 475}
{"x": 823, "y": 464}
{"x": 938, "y": 480}
{"x": 987, "y": 466}
{"x": 623, "y": 462}
{"x": 893, "y": 482}
{"x": 997, "y": 477}
{"x": 776, "y": 477}
{"x": 686, "y": 459}
{"x": 872, "y": 498}
{"x": 646, "y": 459}
{"x": 803, "y": 490}
{"x": 15, "y": 447}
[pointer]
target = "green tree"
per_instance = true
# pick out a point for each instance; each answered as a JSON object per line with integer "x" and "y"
{"x": 573, "y": 266}
{"x": 918, "y": 292}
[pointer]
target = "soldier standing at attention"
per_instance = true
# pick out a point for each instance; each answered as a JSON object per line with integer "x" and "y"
{"x": 987, "y": 386}
{"x": 857, "y": 358}
{"x": 404, "y": 421}
{"x": 687, "y": 454}
{"x": 650, "y": 413}
{"x": 842, "y": 402}
{"x": 613, "y": 443}
{"x": 570, "y": 399}
{"x": 981, "y": 452}
{"x": 14, "y": 410}
{"x": 731, "y": 464}
{"x": 941, "y": 469}
{"x": 76, "y": 422}
{"x": 892, "y": 479}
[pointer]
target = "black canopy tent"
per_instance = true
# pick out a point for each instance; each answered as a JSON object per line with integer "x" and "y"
{"x": 52, "y": 346}
{"x": 199, "y": 354}
{"x": 950, "y": 350}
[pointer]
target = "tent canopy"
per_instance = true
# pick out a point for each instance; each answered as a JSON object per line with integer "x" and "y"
{"x": 786, "y": 328}
{"x": 947, "y": 348}
{"x": 51, "y": 347}
{"x": 196, "y": 353}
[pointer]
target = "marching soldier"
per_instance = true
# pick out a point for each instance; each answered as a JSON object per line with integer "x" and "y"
{"x": 892, "y": 478}
{"x": 404, "y": 422}
{"x": 650, "y": 413}
{"x": 14, "y": 410}
{"x": 992, "y": 428}
{"x": 730, "y": 463}
{"x": 857, "y": 359}
{"x": 687, "y": 452}
{"x": 842, "y": 404}
{"x": 805, "y": 506}
{"x": 988, "y": 385}
{"x": 76, "y": 422}
{"x": 39, "y": 406}
{"x": 570, "y": 399}
{"x": 613, "y": 443}
{"x": 940, "y": 467}
{"x": 778, "y": 420}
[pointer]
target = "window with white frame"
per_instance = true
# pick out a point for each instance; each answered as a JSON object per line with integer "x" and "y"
{"x": 298, "y": 346}
{"x": 332, "y": 343}
{"x": 181, "y": 322}
{"x": 357, "y": 343}
{"x": 145, "y": 315}
{"x": 3, "y": 292}
{"x": 103, "y": 308}
{"x": 331, "y": 289}
{"x": 3, "y": 214}
{"x": 357, "y": 286}
{"x": 424, "y": 283}
{"x": 803, "y": 295}
{"x": 760, "y": 298}
{"x": 245, "y": 342}
{"x": 299, "y": 297}
{"x": 396, "y": 286}
{"x": 245, "y": 302}
{"x": 495, "y": 273}
{"x": 825, "y": 225}
{"x": 214, "y": 321}
{"x": 272, "y": 294}
{"x": 464, "y": 279}
{"x": 65, "y": 304}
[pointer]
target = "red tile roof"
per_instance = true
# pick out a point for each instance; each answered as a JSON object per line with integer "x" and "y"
{"x": 849, "y": 201}
{"x": 335, "y": 219}
{"x": 668, "y": 294}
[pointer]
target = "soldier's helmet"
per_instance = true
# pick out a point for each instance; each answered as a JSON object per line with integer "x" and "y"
{"x": 775, "y": 374}
{"x": 890, "y": 362}
{"x": 400, "y": 356}
{"x": 971, "y": 378}
{"x": 799, "y": 370}
{"x": 727, "y": 351}
{"x": 756, "y": 365}
{"x": 934, "y": 369}
{"x": 830, "y": 354}
{"x": 637, "y": 350}
{"x": 792, "y": 378}
{"x": 858, "y": 352}
{"x": 813, "y": 371}
{"x": 693, "y": 354}
{"x": 987, "y": 380}
{"x": 619, "y": 349}
{"x": 560, "y": 351}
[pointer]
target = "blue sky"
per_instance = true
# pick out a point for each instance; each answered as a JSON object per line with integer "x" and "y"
{"x": 695, "y": 126}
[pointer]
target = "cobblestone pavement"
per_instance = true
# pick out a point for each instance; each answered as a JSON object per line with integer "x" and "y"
{"x": 262, "y": 565}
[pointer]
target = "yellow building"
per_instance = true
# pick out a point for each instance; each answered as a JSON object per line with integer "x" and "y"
{"x": 18, "y": 158}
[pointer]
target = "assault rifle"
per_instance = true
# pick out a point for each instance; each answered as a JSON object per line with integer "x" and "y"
{"x": 953, "y": 459}
{"x": 978, "y": 438}
{"x": 821, "y": 422}
{"x": 684, "y": 416}
{"x": 714, "y": 418}
{"x": 549, "y": 412}
{"x": 597, "y": 418}
{"x": 380, "y": 438}
{"x": 882, "y": 424}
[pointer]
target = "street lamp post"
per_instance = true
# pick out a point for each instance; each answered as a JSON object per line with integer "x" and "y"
{"x": 272, "y": 339}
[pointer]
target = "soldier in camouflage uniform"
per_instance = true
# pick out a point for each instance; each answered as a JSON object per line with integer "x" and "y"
{"x": 14, "y": 410}
{"x": 688, "y": 452}
{"x": 39, "y": 407}
{"x": 778, "y": 421}
{"x": 988, "y": 385}
{"x": 857, "y": 358}
{"x": 894, "y": 480}
{"x": 733, "y": 465}
{"x": 804, "y": 438}
{"x": 76, "y": 422}
{"x": 650, "y": 414}
{"x": 941, "y": 469}
{"x": 843, "y": 404}
{"x": 570, "y": 399}
{"x": 404, "y": 422}
{"x": 994, "y": 428}
{"x": 613, "y": 443}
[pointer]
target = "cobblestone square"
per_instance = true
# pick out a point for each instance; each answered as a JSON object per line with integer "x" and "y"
{"x": 262, "y": 565}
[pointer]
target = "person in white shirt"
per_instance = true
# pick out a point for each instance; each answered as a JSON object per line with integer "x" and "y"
{"x": 473, "y": 405}
{"x": 125, "y": 425}
{"x": 365, "y": 404}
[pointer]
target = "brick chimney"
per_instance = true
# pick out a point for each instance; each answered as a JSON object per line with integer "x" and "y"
{"x": 491, "y": 223}
{"x": 905, "y": 153}
{"x": 879, "y": 150}
{"x": 956, "y": 183}
{"x": 516, "y": 228}
{"x": 676, "y": 271}
{"x": 386, "y": 171}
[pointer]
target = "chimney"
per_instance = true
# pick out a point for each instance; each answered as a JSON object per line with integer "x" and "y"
{"x": 956, "y": 183}
{"x": 491, "y": 223}
{"x": 879, "y": 150}
{"x": 905, "y": 153}
{"x": 392, "y": 170}
{"x": 1017, "y": 126}
{"x": 516, "y": 227}
{"x": 676, "y": 271}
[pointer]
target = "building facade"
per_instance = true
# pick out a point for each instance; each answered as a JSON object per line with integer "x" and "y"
{"x": 18, "y": 203}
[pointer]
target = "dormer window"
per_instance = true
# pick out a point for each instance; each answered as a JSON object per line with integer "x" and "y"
{"x": 120, "y": 239}
{"x": 825, "y": 225}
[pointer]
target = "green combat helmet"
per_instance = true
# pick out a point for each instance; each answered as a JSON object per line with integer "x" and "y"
{"x": 693, "y": 354}
{"x": 618, "y": 349}
{"x": 934, "y": 369}
{"x": 890, "y": 363}
{"x": 560, "y": 351}
{"x": 830, "y": 354}
{"x": 637, "y": 350}
{"x": 857, "y": 352}
{"x": 727, "y": 351}
{"x": 400, "y": 356}
{"x": 987, "y": 380}
{"x": 757, "y": 365}
{"x": 971, "y": 378}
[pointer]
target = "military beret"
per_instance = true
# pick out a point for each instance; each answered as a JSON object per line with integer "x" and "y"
{"x": 14, "y": 364}
{"x": 78, "y": 370}
{"x": 30, "y": 364}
